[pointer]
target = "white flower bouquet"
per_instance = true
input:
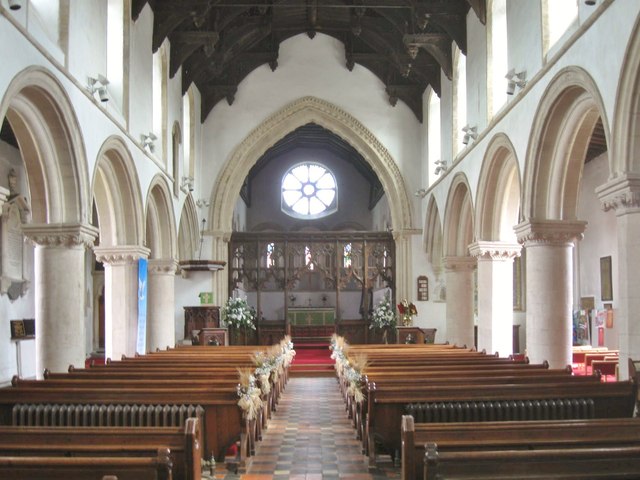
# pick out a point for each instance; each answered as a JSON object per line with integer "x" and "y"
{"x": 237, "y": 313}
{"x": 384, "y": 315}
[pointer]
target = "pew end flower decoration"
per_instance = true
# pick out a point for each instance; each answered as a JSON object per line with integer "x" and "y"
{"x": 237, "y": 313}
{"x": 407, "y": 311}
{"x": 250, "y": 402}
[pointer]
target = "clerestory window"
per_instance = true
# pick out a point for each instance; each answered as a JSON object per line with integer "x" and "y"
{"x": 309, "y": 191}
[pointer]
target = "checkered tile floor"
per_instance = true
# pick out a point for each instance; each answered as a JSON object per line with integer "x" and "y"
{"x": 310, "y": 437}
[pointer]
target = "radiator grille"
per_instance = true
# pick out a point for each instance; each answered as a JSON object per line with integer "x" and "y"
{"x": 553, "y": 409}
{"x": 74, "y": 415}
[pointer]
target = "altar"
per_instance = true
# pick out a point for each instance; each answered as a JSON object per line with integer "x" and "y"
{"x": 307, "y": 324}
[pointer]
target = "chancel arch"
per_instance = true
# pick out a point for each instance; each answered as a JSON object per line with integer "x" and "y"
{"x": 160, "y": 238}
{"x": 458, "y": 265}
{"x": 41, "y": 116}
{"x": 119, "y": 206}
{"x": 497, "y": 212}
{"x": 301, "y": 112}
{"x": 549, "y": 228}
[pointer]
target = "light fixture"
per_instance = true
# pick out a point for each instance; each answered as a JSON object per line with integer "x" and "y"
{"x": 590, "y": 2}
{"x": 99, "y": 84}
{"x": 470, "y": 133}
{"x": 201, "y": 202}
{"x": 515, "y": 79}
{"x": 441, "y": 167}
{"x": 15, "y": 4}
{"x": 187, "y": 185}
{"x": 147, "y": 140}
{"x": 421, "y": 192}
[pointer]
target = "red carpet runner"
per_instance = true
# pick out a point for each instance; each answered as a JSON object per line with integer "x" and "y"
{"x": 312, "y": 359}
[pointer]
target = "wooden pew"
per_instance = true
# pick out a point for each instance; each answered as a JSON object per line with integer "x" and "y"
{"x": 586, "y": 463}
{"x": 537, "y": 401}
{"x": 518, "y": 435}
{"x": 157, "y": 467}
{"x": 183, "y": 444}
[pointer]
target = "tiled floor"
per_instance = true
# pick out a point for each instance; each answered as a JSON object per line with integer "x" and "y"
{"x": 310, "y": 437}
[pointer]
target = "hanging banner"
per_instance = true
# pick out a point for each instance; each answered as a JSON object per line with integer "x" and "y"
{"x": 141, "y": 344}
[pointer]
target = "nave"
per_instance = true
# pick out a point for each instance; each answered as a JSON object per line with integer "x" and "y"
{"x": 310, "y": 437}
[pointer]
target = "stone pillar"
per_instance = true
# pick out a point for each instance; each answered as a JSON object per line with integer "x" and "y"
{"x": 623, "y": 195}
{"x": 121, "y": 297}
{"x": 549, "y": 281}
{"x": 459, "y": 279}
{"x": 59, "y": 283}
{"x": 495, "y": 295}
{"x": 404, "y": 262}
{"x": 220, "y": 251}
{"x": 161, "y": 304}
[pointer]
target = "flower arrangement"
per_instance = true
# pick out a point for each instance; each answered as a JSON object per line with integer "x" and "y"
{"x": 249, "y": 393}
{"x": 407, "y": 311}
{"x": 237, "y": 313}
{"x": 383, "y": 315}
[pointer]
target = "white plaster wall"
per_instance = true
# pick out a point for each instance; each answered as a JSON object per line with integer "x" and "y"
{"x": 431, "y": 314}
{"x": 524, "y": 34}
{"x": 312, "y": 67}
{"x": 477, "y": 108}
{"x": 600, "y": 240}
{"x": 187, "y": 288}
{"x": 87, "y": 52}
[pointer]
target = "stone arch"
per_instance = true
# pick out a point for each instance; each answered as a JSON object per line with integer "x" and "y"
{"x": 566, "y": 115}
{"x": 458, "y": 219}
{"x": 47, "y": 130}
{"x": 176, "y": 156}
{"x": 433, "y": 234}
{"x": 625, "y": 143}
{"x": 116, "y": 190}
{"x": 160, "y": 236}
{"x": 188, "y": 233}
{"x": 498, "y": 201}
{"x": 296, "y": 114}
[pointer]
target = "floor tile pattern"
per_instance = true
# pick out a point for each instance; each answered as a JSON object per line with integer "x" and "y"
{"x": 310, "y": 437}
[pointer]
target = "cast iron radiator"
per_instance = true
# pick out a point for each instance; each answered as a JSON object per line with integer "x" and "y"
{"x": 78, "y": 415}
{"x": 551, "y": 409}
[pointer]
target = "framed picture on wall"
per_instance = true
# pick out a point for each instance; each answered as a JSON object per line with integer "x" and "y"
{"x": 606, "y": 288}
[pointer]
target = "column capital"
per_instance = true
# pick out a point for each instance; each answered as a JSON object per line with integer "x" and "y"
{"x": 550, "y": 232}
{"x": 120, "y": 254}
{"x": 67, "y": 235}
{"x": 405, "y": 233}
{"x": 459, "y": 263}
{"x": 621, "y": 194}
{"x": 495, "y": 250}
{"x": 161, "y": 266}
{"x": 223, "y": 235}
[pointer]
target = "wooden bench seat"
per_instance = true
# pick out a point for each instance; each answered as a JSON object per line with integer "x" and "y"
{"x": 157, "y": 467}
{"x": 509, "y": 435}
{"x": 183, "y": 444}
{"x": 494, "y": 402}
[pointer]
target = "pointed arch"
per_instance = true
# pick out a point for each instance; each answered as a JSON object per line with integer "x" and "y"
{"x": 299, "y": 113}
{"x": 458, "y": 219}
{"x": 47, "y": 130}
{"x": 433, "y": 233}
{"x": 188, "y": 233}
{"x": 562, "y": 127}
{"x": 160, "y": 233}
{"x": 498, "y": 201}
{"x": 117, "y": 194}
{"x": 625, "y": 142}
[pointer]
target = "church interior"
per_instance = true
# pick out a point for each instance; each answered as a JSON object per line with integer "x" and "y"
{"x": 210, "y": 209}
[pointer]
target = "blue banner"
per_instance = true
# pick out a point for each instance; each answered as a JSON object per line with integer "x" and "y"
{"x": 141, "y": 344}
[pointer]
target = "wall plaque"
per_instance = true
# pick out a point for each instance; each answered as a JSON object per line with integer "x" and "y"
{"x": 423, "y": 288}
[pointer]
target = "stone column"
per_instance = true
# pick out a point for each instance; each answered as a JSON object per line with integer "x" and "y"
{"x": 549, "y": 270}
{"x": 404, "y": 263}
{"x": 495, "y": 295}
{"x": 161, "y": 307}
{"x": 623, "y": 195}
{"x": 219, "y": 251}
{"x": 59, "y": 286}
{"x": 459, "y": 280}
{"x": 121, "y": 297}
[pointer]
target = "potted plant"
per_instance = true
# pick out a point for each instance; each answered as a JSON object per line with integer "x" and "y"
{"x": 383, "y": 317}
{"x": 237, "y": 314}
